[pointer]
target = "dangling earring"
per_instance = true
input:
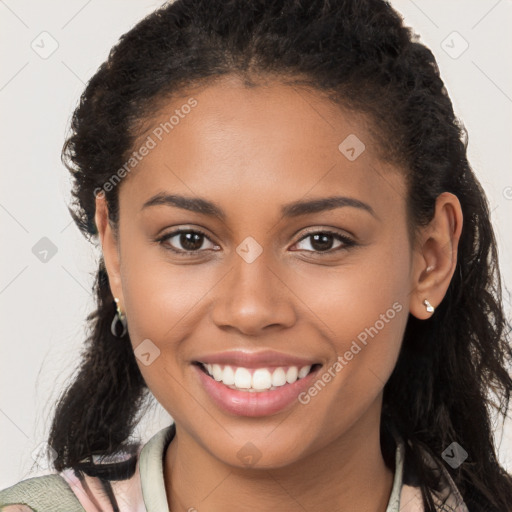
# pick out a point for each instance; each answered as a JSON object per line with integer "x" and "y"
{"x": 119, "y": 317}
{"x": 429, "y": 306}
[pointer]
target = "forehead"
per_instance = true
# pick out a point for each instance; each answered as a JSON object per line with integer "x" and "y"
{"x": 245, "y": 145}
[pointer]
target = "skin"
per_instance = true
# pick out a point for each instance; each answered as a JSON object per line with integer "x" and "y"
{"x": 252, "y": 150}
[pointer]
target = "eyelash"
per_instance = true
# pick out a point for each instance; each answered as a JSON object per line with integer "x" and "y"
{"x": 348, "y": 242}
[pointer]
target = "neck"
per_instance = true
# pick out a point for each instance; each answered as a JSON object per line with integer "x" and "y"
{"x": 345, "y": 475}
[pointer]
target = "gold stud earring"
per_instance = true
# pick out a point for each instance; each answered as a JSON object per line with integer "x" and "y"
{"x": 429, "y": 306}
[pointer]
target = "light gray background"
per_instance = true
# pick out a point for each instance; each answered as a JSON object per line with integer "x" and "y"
{"x": 43, "y": 305}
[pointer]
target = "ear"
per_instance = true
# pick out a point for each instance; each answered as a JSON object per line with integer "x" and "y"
{"x": 110, "y": 247}
{"x": 435, "y": 255}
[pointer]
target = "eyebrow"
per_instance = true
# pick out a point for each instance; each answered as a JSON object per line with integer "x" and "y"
{"x": 294, "y": 209}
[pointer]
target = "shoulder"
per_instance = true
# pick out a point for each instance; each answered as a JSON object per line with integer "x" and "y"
{"x": 40, "y": 493}
{"x": 99, "y": 483}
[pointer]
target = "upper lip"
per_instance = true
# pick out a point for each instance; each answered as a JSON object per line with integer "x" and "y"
{"x": 260, "y": 359}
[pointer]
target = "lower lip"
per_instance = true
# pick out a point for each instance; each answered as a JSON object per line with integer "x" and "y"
{"x": 257, "y": 403}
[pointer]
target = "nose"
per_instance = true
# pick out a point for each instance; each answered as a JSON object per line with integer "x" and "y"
{"x": 253, "y": 298}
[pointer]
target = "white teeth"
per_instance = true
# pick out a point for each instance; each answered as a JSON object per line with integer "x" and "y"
{"x": 242, "y": 378}
{"x": 260, "y": 380}
{"x": 228, "y": 377}
{"x": 217, "y": 372}
{"x": 304, "y": 371}
{"x": 278, "y": 377}
{"x": 291, "y": 374}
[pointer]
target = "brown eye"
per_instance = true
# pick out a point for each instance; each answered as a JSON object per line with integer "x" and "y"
{"x": 191, "y": 241}
{"x": 323, "y": 241}
{"x": 185, "y": 241}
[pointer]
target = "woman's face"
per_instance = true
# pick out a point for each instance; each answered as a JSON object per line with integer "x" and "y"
{"x": 302, "y": 249}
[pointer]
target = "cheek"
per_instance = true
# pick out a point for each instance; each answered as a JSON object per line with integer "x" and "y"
{"x": 162, "y": 302}
{"x": 362, "y": 309}
{"x": 353, "y": 296}
{"x": 160, "y": 295}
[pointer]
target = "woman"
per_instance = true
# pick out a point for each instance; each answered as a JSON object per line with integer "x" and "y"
{"x": 298, "y": 264}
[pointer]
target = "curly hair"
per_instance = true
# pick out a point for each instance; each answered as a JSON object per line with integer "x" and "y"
{"x": 361, "y": 55}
